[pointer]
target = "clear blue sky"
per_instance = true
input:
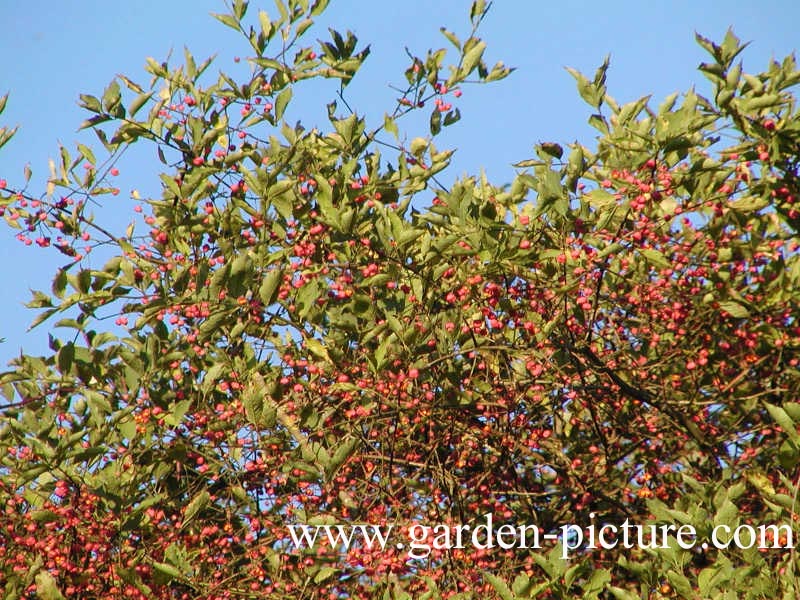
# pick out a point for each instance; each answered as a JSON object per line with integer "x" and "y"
{"x": 51, "y": 51}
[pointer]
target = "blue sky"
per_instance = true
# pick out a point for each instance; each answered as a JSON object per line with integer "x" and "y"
{"x": 50, "y": 52}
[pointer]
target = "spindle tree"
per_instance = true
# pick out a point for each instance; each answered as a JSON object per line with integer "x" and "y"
{"x": 322, "y": 324}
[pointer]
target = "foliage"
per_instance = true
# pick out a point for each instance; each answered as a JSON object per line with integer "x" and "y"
{"x": 314, "y": 329}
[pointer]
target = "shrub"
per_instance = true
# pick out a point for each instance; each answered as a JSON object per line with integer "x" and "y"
{"x": 313, "y": 328}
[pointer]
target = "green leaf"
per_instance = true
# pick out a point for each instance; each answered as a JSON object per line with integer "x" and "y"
{"x": 656, "y": 257}
{"x": 317, "y": 349}
{"x": 341, "y": 454}
{"x": 499, "y": 71}
{"x": 210, "y": 327}
{"x": 553, "y": 149}
{"x": 282, "y": 101}
{"x": 451, "y": 37}
{"x": 749, "y": 204}
{"x": 59, "y": 283}
{"x": 178, "y": 411}
{"x": 786, "y": 423}
{"x": 6, "y": 134}
{"x": 138, "y": 103}
{"x": 90, "y": 103}
{"x": 390, "y": 126}
{"x": 472, "y": 56}
{"x": 315, "y": 453}
{"x": 477, "y": 10}
{"x": 65, "y": 357}
{"x": 42, "y": 317}
{"x": 240, "y": 8}
{"x": 111, "y": 97}
{"x": 758, "y": 103}
{"x": 734, "y": 309}
{"x": 521, "y": 584}
{"x": 228, "y": 20}
{"x": 727, "y": 515}
{"x": 681, "y": 584}
{"x": 436, "y": 121}
{"x": 171, "y": 572}
{"x": 451, "y": 117}
{"x": 407, "y": 236}
{"x": 500, "y": 587}
{"x": 197, "y": 505}
{"x": 418, "y": 146}
{"x": 46, "y": 587}
{"x": 318, "y": 7}
{"x": 325, "y": 573}
{"x": 87, "y": 153}
{"x": 324, "y": 196}
{"x": 588, "y": 90}
{"x": 270, "y": 285}
{"x": 621, "y": 594}
{"x": 597, "y": 583}
{"x": 240, "y": 265}
{"x": 792, "y": 409}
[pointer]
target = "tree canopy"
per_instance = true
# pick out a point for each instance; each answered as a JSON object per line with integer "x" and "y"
{"x": 321, "y": 325}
